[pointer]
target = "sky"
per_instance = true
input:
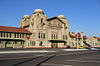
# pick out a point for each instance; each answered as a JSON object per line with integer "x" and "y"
{"x": 83, "y": 15}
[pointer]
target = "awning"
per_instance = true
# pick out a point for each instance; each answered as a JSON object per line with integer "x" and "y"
{"x": 57, "y": 40}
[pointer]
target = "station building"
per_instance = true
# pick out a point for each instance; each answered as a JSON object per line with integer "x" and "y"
{"x": 36, "y": 31}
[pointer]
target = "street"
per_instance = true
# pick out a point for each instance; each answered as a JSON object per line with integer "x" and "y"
{"x": 61, "y": 58}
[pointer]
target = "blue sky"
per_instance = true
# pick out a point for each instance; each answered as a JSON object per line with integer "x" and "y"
{"x": 83, "y": 15}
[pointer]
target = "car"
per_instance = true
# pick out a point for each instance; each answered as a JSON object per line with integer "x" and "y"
{"x": 80, "y": 47}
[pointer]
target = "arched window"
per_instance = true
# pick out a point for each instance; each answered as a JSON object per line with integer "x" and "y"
{"x": 39, "y": 35}
{"x": 41, "y": 43}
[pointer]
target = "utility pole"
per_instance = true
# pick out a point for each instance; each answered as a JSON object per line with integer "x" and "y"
{"x": 77, "y": 39}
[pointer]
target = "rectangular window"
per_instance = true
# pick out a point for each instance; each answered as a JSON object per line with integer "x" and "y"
{"x": 15, "y": 42}
{"x": 7, "y": 34}
{"x": 65, "y": 44}
{"x": 4, "y": 34}
{"x": 56, "y": 36}
{"x": 1, "y": 34}
{"x": 33, "y": 43}
{"x": 66, "y": 37}
{"x": 20, "y": 35}
{"x": 63, "y": 36}
{"x": 17, "y": 35}
{"x": 52, "y": 36}
{"x": 22, "y": 43}
{"x": 0, "y": 42}
{"x": 23, "y": 35}
{"x": 44, "y": 35}
{"x": 10, "y": 34}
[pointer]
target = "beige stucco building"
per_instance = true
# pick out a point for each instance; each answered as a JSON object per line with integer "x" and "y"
{"x": 46, "y": 32}
{"x": 93, "y": 41}
{"x": 13, "y": 37}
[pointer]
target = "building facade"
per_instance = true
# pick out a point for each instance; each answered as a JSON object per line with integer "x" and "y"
{"x": 75, "y": 39}
{"x": 93, "y": 41}
{"x": 13, "y": 37}
{"x": 46, "y": 32}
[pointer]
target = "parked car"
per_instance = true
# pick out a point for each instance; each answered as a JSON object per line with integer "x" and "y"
{"x": 80, "y": 47}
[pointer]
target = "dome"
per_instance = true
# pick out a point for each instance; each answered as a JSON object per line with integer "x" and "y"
{"x": 26, "y": 16}
{"x": 38, "y": 11}
{"x": 61, "y": 17}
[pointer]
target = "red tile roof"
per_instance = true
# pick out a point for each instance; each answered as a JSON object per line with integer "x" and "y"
{"x": 71, "y": 35}
{"x": 84, "y": 37}
{"x": 79, "y": 35}
{"x": 28, "y": 38}
{"x": 98, "y": 38}
{"x": 13, "y": 29}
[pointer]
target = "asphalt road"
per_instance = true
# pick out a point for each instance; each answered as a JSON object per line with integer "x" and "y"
{"x": 68, "y": 58}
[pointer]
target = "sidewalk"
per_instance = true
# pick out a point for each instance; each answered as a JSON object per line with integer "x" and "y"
{"x": 74, "y": 49}
{"x": 41, "y": 50}
{"x": 26, "y": 51}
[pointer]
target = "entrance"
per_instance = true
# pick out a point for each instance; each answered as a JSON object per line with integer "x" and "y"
{"x": 8, "y": 45}
{"x": 54, "y": 45}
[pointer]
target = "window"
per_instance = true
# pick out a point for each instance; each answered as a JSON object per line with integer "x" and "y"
{"x": 41, "y": 20}
{"x": 52, "y": 36}
{"x": 56, "y": 36}
{"x": 10, "y": 34}
{"x": 19, "y": 35}
{"x": 30, "y": 43}
{"x": 23, "y": 35}
{"x": 44, "y": 35}
{"x": 1, "y": 34}
{"x": 15, "y": 35}
{"x": 4, "y": 34}
{"x": 39, "y": 35}
{"x": 22, "y": 43}
{"x": 41, "y": 43}
{"x": 15, "y": 42}
{"x": 37, "y": 14}
{"x": 63, "y": 36}
{"x": 33, "y": 43}
{"x": 66, "y": 37}
{"x": 7, "y": 34}
{"x": 65, "y": 44}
